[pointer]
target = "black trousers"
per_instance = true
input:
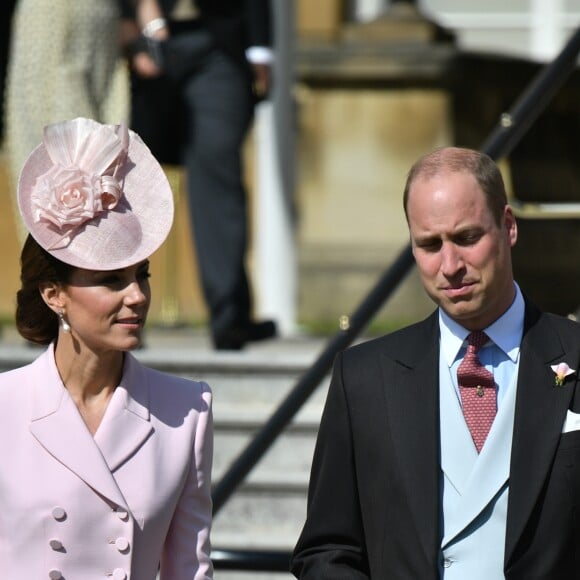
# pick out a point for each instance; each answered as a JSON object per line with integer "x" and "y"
{"x": 201, "y": 122}
{"x": 219, "y": 108}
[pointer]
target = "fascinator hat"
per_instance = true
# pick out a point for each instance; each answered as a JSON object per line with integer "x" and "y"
{"x": 94, "y": 197}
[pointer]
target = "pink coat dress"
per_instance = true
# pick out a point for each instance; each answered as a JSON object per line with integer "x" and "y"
{"x": 78, "y": 507}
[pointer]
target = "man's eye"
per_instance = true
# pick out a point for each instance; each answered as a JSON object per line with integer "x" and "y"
{"x": 429, "y": 246}
{"x": 468, "y": 239}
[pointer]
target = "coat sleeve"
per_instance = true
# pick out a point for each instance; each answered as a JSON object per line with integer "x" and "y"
{"x": 182, "y": 559}
{"x": 259, "y": 23}
{"x": 332, "y": 545}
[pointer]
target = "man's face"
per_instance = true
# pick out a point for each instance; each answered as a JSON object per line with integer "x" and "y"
{"x": 463, "y": 256}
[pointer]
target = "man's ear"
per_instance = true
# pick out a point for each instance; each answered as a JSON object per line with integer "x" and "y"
{"x": 511, "y": 225}
{"x": 52, "y": 294}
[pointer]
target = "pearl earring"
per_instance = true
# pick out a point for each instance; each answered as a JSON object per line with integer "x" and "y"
{"x": 65, "y": 325}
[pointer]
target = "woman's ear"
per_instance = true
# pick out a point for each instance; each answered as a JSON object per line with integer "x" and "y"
{"x": 52, "y": 294}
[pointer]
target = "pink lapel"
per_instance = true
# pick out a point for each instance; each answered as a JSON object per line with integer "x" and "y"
{"x": 59, "y": 428}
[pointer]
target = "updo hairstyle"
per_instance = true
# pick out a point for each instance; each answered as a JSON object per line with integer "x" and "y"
{"x": 35, "y": 321}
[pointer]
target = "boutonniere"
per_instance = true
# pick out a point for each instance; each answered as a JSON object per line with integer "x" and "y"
{"x": 562, "y": 370}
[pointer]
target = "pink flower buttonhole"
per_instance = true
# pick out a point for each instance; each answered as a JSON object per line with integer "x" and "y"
{"x": 562, "y": 370}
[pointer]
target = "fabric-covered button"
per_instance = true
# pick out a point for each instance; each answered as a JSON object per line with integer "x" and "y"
{"x": 122, "y": 544}
{"x": 58, "y": 513}
{"x": 55, "y": 574}
{"x": 119, "y": 574}
{"x": 122, "y": 514}
{"x": 55, "y": 544}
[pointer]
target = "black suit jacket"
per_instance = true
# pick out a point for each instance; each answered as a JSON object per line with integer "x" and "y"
{"x": 234, "y": 24}
{"x": 374, "y": 497}
{"x": 157, "y": 107}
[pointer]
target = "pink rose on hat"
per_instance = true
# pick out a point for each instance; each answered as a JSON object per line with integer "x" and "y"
{"x": 67, "y": 196}
{"x": 81, "y": 182}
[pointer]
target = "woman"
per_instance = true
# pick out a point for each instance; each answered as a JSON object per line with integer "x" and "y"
{"x": 198, "y": 69}
{"x": 106, "y": 463}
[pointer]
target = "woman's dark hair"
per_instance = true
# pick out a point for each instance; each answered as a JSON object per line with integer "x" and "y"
{"x": 35, "y": 321}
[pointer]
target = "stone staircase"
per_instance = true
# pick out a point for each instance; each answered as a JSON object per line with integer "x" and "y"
{"x": 267, "y": 511}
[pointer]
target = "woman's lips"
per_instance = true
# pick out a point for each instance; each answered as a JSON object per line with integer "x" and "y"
{"x": 129, "y": 321}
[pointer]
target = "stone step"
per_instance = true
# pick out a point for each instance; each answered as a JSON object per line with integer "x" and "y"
{"x": 264, "y": 513}
{"x": 290, "y": 454}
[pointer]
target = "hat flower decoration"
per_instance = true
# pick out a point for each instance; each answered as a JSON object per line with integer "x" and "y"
{"x": 77, "y": 187}
{"x": 562, "y": 370}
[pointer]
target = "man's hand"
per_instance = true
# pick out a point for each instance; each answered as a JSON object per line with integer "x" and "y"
{"x": 262, "y": 79}
{"x": 145, "y": 66}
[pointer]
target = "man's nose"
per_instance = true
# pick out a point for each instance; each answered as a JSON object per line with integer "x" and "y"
{"x": 451, "y": 259}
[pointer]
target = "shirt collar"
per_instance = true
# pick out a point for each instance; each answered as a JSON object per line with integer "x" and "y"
{"x": 506, "y": 332}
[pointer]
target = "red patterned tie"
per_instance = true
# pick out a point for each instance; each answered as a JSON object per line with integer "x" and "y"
{"x": 477, "y": 389}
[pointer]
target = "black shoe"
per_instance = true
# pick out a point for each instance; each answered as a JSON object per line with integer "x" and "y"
{"x": 235, "y": 338}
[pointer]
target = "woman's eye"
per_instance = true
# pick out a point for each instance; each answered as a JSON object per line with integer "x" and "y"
{"x": 112, "y": 281}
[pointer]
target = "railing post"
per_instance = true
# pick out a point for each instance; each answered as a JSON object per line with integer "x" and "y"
{"x": 275, "y": 248}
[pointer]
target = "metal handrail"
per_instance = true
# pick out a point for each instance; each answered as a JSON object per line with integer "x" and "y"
{"x": 511, "y": 127}
{"x": 310, "y": 380}
{"x": 251, "y": 560}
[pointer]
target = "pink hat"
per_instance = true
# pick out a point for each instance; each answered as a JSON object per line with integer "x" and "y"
{"x": 94, "y": 196}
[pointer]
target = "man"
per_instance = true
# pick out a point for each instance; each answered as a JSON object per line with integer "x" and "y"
{"x": 404, "y": 486}
{"x": 199, "y": 67}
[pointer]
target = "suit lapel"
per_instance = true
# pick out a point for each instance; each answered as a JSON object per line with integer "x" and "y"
{"x": 540, "y": 413}
{"x": 413, "y": 411}
{"x": 58, "y": 426}
{"x": 126, "y": 426}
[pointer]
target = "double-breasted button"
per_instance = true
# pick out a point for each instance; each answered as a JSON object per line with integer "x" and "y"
{"x": 55, "y": 544}
{"x": 59, "y": 513}
{"x": 122, "y": 514}
{"x": 55, "y": 574}
{"x": 122, "y": 544}
{"x": 119, "y": 574}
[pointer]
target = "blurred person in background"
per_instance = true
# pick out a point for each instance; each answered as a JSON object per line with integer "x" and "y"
{"x": 199, "y": 67}
{"x": 64, "y": 62}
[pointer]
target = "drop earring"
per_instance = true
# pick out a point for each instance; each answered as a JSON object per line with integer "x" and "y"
{"x": 64, "y": 324}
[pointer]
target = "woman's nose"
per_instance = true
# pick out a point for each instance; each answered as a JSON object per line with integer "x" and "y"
{"x": 135, "y": 294}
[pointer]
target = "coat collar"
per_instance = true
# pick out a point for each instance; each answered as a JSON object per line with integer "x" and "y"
{"x": 58, "y": 426}
{"x": 540, "y": 413}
